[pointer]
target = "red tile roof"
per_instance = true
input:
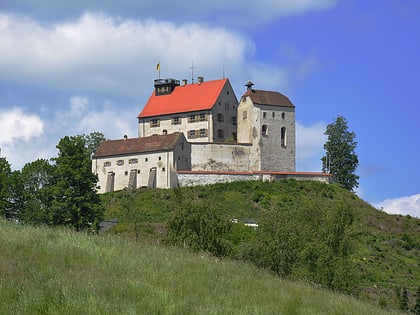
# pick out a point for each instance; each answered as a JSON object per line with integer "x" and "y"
{"x": 184, "y": 98}
{"x": 138, "y": 145}
{"x": 270, "y": 98}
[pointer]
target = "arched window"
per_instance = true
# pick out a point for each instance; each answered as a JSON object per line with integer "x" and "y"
{"x": 165, "y": 132}
{"x": 283, "y": 136}
{"x": 264, "y": 130}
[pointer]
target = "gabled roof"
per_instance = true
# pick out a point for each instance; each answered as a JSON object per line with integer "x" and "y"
{"x": 138, "y": 145}
{"x": 184, "y": 98}
{"x": 270, "y": 98}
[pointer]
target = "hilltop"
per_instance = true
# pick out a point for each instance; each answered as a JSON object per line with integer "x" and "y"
{"x": 385, "y": 248}
{"x": 58, "y": 271}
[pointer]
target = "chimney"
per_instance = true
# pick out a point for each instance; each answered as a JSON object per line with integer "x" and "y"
{"x": 184, "y": 82}
{"x": 200, "y": 80}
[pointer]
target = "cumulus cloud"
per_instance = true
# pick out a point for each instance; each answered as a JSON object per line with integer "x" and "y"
{"x": 16, "y": 125}
{"x": 100, "y": 53}
{"x": 409, "y": 205}
{"x": 310, "y": 141}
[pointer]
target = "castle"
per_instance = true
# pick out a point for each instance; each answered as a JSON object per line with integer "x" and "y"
{"x": 199, "y": 133}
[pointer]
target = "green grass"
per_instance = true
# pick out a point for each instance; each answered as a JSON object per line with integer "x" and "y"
{"x": 386, "y": 247}
{"x": 57, "y": 271}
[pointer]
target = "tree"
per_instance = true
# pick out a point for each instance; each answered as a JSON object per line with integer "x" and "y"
{"x": 33, "y": 191}
{"x": 75, "y": 201}
{"x": 340, "y": 159}
{"x": 197, "y": 226}
{"x": 5, "y": 189}
{"x": 93, "y": 140}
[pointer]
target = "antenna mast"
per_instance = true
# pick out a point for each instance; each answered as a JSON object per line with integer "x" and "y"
{"x": 192, "y": 71}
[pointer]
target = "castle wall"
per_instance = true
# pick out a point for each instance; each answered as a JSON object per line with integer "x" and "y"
{"x": 222, "y": 157}
{"x": 277, "y": 150}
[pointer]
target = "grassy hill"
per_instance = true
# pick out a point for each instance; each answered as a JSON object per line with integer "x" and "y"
{"x": 386, "y": 248}
{"x": 57, "y": 271}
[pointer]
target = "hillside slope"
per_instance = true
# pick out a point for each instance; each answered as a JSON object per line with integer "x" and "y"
{"x": 386, "y": 248}
{"x": 57, "y": 271}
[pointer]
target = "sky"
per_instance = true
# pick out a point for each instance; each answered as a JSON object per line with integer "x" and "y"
{"x": 74, "y": 67}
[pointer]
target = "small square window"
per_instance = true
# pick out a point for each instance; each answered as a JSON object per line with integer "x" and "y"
{"x": 160, "y": 158}
{"x": 163, "y": 169}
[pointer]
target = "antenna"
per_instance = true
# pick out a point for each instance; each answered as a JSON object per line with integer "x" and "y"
{"x": 223, "y": 72}
{"x": 192, "y": 71}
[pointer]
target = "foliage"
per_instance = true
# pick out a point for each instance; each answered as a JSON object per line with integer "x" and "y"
{"x": 75, "y": 201}
{"x": 5, "y": 192}
{"x": 33, "y": 192}
{"x": 416, "y": 309}
{"x": 303, "y": 241}
{"x": 404, "y": 299}
{"x": 93, "y": 140}
{"x": 197, "y": 226}
{"x": 340, "y": 159}
{"x": 381, "y": 258}
{"x": 57, "y": 271}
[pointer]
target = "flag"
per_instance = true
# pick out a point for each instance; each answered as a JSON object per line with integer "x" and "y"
{"x": 158, "y": 67}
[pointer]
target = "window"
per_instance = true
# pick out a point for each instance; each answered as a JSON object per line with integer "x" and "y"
{"x": 163, "y": 169}
{"x": 133, "y": 161}
{"x": 146, "y": 159}
{"x": 138, "y": 171}
{"x": 244, "y": 114}
{"x": 191, "y": 119}
{"x": 233, "y": 120}
{"x": 120, "y": 162}
{"x": 176, "y": 120}
{"x": 160, "y": 158}
{"x": 107, "y": 163}
{"x": 203, "y": 133}
{"x": 164, "y": 132}
{"x": 264, "y": 115}
{"x": 264, "y": 130}
{"x": 283, "y": 137}
{"x": 283, "y": 115}
{"x": 220, "y": 133}
{"x": 126, "y": 173}
{"x": 219, "y": 118}
{"x": 155, "y": 123}
{"x": 203, "y": 117}
{"x": 191, "y": 134}
{"x": 274, "y": 114}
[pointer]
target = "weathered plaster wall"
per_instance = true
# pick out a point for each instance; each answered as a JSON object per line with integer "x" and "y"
{"x": 222, "y": 157}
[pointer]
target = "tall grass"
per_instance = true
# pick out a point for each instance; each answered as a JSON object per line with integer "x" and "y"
{"x": 57, "y": 271}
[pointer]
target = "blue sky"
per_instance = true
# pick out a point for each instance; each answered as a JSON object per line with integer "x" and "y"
{"x": 68, "y": 68}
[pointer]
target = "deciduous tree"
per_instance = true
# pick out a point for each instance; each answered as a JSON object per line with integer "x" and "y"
{"x": 75, "y": 200}
{"x": 340, "y": 159}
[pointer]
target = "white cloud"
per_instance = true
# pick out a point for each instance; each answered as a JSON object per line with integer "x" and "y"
{"x": 16, "y": 125}
{"x": 100, "y": 53}
{"x": 409, "y": 205}
{"x": 310, "y": 146}
{"x": 229, "y": 12}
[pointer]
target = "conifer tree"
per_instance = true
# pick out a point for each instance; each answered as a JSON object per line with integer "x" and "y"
{"x": 341, "y": 160}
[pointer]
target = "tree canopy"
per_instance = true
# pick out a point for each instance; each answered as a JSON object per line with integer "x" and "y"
{"x": 340, "y": 159}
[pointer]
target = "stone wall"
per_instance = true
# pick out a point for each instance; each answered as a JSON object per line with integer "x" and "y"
{"x": 197, "y": 178}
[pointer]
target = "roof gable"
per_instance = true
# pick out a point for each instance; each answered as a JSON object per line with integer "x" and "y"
{"x": 269, "y": 98}
{"x": 184, "y": 98}
{"x": 138, "y": 145}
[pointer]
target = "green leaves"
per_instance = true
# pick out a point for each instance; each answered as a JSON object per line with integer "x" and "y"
{"x": 340, "y": 159}
{"x": 197, "y": 226}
